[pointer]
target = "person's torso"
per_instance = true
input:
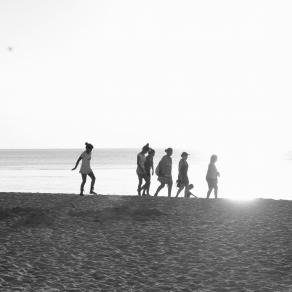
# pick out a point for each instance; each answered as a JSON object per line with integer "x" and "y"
{"x": 183, "y": 168}
{"x": 86, "y": 157}
{"x": 212, "y": 171}
{"x": 141, "y": 161}
{"x": 166, "y": 165}
{"x": 148, "y": 163}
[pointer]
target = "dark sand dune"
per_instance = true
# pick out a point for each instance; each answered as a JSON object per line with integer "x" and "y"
{"x": 53, "y": 242}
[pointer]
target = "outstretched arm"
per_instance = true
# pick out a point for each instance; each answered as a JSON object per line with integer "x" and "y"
{"x": 77, "y": 162}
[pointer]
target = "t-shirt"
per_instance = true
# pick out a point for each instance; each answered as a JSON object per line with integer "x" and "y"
{"x": 183, "y": 168}
{"x": 85, "y": 165}
{"x": 165, "y": 166}
{"x": 212, "y": 172}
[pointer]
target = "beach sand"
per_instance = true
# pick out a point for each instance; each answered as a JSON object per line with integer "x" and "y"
{"x": 62, "y": 242}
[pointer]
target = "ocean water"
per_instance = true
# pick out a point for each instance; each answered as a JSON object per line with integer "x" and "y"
{"x": 50, "y": 171}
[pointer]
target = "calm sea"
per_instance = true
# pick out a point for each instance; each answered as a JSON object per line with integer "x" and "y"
{"x": 115, "y": 170}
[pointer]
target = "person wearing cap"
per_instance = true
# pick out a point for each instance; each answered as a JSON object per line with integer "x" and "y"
{"x": 183, "y": 180}
{"x": 85, "y": 169}
{"x": 212, "y": 177}
{"x": 163, "y": 170}
{"x": 141, "y": 173}
{"x": 149, "y": 170}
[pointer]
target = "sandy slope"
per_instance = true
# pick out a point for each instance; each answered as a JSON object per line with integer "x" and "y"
{"x": 54, "y": 242}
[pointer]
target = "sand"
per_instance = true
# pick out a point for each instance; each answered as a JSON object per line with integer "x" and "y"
{"x": 61, "y": 242}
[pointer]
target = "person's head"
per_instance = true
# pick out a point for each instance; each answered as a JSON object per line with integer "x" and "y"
{"x": 185, "y": 155}
{"x": 151, "y": 152}
{"x": 191, "y": 186}
{"x": 145, "y": 148}
{"x": 88, "y": 147}
{"x": 168, "y": 151}
{"x": 213, "y": 158}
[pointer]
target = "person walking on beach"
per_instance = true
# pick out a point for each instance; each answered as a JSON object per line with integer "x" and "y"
{"x": 149, "y": 170}
{"x": 141, "y": 167}
{"x": 163, "y": 170}
{"x": 85, "y": 169}
{"x": 183, "y": 180}
{"x": 212, "y": 177}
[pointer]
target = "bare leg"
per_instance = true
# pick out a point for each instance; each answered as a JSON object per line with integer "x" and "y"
{"x": 186, "y": 191}
{"x": 158, "y": 189}
{"x": 139, "y": 184}
{"x": 209, "y": 192}
{"x": 179, "y": 190}
{"x": 169, "y": 189}
{"x": 148, "y": 188}
{"x": 83, "y": 183}
{"x": 145, "y": 187}
{"x": 92, "y": 176}
{"x": 216, "y": 192}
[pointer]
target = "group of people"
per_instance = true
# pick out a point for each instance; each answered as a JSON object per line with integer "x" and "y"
{"x": 145, "y": 169}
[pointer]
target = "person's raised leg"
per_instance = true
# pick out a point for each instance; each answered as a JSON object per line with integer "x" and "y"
{"x": 158, "y": 189}
{"x": 83, "y": 183}
{"x": 92, "y": 176}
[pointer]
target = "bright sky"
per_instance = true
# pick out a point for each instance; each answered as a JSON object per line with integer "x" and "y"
{"x": 208, "y": 75}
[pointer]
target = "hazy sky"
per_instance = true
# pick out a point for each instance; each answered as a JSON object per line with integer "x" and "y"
{"x": 208, "y": 75}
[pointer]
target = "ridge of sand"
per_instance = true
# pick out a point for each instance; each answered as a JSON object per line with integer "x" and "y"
{"x": 54, "y": 242}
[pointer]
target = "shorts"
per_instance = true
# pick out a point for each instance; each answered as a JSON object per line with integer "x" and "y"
{"x": 165, "y": 180}
{"x": 86, "y": 171}
{"x": 183, "y": 182}
{"x": 212, "y": 183}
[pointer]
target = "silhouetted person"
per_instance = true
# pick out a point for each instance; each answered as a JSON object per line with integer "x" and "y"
{"x": 163, "y": 171}
{"x": 141, "y": 167}
{"x": 85, "y": 169}
{"x": 183, "y": 180}
{"x": 190, "y": 194}
{"x": 149, "y": 170}
{"x": 212, "y": 177}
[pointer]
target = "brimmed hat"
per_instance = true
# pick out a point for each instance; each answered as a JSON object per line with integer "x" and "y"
{"x": 168, "y": 150}
{"x": 184, "y": 154}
